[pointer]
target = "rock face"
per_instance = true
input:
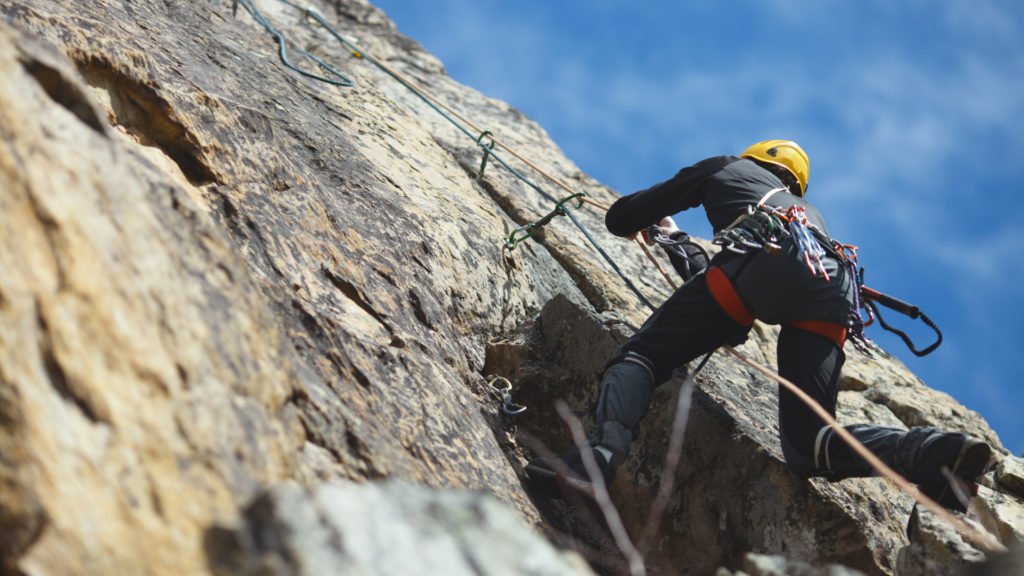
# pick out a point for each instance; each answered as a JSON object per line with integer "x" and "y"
{"x": 387, "y": 529}
{"x": 218, "y": 275}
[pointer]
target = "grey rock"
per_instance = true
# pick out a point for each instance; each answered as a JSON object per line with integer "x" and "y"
{"x": 1010, "y": 475}
{"x": 764, "y": 565}
{"x": 1002, "y": 514}
{"x": 1009, "y": 564}
{"x": 219, "y": 276}
{"x": 383, "y": 529}
{"x": 935, "y": 549}
{"x": 731, "y": 457}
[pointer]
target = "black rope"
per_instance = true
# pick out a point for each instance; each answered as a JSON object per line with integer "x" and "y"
{"x": 906, "y": 339}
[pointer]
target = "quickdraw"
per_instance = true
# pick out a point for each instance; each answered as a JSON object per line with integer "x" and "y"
{"x": 486, "y": 143}
{"x": 528, "y": 230}
{"x": 502, "y": 389}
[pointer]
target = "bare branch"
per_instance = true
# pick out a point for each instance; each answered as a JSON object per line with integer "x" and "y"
{"x": 684, "y": 397}
{"x": 600, "y": 492}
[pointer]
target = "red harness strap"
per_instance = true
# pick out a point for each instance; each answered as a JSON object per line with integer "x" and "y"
{"x": 725, "y": 294}
{"x": 831, "y": 330}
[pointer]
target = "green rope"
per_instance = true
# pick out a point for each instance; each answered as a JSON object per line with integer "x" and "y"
{"x": 357, "y": 52}
{"x": 339, "y": 79}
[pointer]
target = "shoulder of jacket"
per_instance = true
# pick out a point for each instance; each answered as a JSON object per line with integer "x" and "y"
{"x": 716, "y": 163}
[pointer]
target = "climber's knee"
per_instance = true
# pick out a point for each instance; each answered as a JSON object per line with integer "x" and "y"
{"x": 626, "y": 390}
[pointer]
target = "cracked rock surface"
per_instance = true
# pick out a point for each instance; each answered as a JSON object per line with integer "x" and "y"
{"x": 218, "y": 276}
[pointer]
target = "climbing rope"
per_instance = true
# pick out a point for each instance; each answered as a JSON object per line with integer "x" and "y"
{"x": 501, "y": 387}
{"x": 338, "y": 79}
{"x": 488, "y": 144}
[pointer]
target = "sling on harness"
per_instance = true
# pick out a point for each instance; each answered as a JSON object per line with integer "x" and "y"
{"x": 874, "y": 298}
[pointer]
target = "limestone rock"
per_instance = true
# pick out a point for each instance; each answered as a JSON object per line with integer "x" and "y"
{"x": 764, "y": 565}
{"x": 218, "y": 275}
{"x": 935, "y": 548}
{"x": 1010, "y": 475}
{"x": 1009, "y": 564}
{"x": 887, "y": 381}
{"x": 383, "y": 529}
{"x": 1002, "y": 515}
{"x": 730, "y": 458}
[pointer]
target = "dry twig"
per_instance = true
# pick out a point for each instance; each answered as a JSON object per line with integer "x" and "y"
{"x": 600, "y": 492}
{"x": 684, "y": 397}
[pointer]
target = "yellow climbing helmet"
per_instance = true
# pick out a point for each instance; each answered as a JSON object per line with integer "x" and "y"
{"x": 785, "y": 153}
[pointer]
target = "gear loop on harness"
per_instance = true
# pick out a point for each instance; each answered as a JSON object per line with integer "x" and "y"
{"x": 501, "y": 388}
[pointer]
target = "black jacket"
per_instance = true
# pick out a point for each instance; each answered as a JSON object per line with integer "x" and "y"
{"x": 725, "y": 185}
{"x": 776, "y": 288}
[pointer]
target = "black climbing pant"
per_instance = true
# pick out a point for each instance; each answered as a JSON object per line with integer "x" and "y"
{"x": 692, "y": 323}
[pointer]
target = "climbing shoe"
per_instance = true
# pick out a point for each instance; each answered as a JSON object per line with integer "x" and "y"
{"x": 557, "y": 475}
{"x": 966, "y": 457}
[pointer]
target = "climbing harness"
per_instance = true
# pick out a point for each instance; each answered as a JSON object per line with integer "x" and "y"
{"x": 765, "y": 227}
{"x": 528, "y": 230}
{"x": 502, "y": 389}
{"x": 338, "y": 79}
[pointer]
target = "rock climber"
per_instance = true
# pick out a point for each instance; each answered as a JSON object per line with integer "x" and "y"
{"x": 719, "y": 305}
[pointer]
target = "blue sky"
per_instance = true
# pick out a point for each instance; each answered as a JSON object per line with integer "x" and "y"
{"x": 912, "y": 113}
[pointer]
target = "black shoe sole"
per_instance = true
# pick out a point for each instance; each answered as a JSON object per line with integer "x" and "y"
{"x": 974, "y": 460}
